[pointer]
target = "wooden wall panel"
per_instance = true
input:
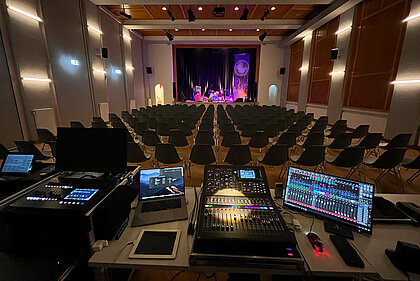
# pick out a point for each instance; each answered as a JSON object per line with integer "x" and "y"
{"x": 324, "y": 39}
{"x": 376, "y": 42}
{"x": 294, "y": 72}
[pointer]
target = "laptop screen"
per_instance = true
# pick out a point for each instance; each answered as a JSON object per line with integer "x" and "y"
{"x": 17, "y": 164}
{"x": 160, "y": 183}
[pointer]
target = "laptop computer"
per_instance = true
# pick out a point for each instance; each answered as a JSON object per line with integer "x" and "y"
{"x": 161, "y": 197}
{"x": 17, "y": 165}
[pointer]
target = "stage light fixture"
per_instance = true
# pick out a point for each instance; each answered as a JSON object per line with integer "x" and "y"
{"x": 176, "y": 29}
{"x": 124, "y": 14}
{"x": 262, "y": 36}
{"x": 244, "y": 15}
{"x": 170, "y": 14}
{"x": 203, "y": 29}
{"x": 273, "y": 8}
{"x": 230, "y": 29}
{"x": 236, "y": 8}
{"x": 164, "y": 8}
{"x": 170, "y": 36}
{"x": 266, "y": 12}
{"x": 191, "y": 16}
{"x": 200, "y": 8}
{"x": 257, "y": 29}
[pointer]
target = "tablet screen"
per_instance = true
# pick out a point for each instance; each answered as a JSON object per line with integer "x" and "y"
{"x": 156, "y": 243}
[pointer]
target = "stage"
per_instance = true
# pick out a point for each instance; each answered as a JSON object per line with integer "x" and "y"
{"x": 224, "y": 104}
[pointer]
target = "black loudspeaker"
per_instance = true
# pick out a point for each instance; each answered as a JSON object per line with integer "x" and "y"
{"x": 149, "y": 70}
{"x": 104, "y": 53}
{"x": 334, "y": 54}
{"x": 283, "y": 70}
{"x": 174, "y": 90}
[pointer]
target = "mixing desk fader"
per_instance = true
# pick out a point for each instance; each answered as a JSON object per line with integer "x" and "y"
{"x": 239, "y": 221}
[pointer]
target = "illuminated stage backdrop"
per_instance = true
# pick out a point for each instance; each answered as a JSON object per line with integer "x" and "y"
{"x": 240, "y": 76}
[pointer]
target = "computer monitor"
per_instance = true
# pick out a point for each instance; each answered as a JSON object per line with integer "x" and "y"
{"x": 160, "y": 183}
{"x": 91, "y": 150}
{"x": 341, "y": 200}
{"x": 17, "y": 164}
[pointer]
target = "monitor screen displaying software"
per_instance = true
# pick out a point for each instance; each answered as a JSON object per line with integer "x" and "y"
{"x": 343, "y": 200}
{"x": 159, "y": 183}
{"x": 17, "y": 164}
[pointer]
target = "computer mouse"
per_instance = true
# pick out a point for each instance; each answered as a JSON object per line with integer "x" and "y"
{"x": 316, "y": 242}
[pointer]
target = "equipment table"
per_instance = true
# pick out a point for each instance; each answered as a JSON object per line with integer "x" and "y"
{"x": 370, "y": 249}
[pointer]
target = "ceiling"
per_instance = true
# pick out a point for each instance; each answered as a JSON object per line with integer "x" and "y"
{"x": 152, "y": 20}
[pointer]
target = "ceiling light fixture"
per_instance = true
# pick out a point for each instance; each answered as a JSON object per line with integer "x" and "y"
{"x": 236, "y": 9}
{"x": 36, "y": 79}
{"x": 176, "y": 29}
{"x": 95, "y": 29}
{"x": 124, "y": 14}
{"x": 257, "y": 29}
{"x": 230, "y": 29}
{"x": 411, "y": 17}
{"x": 273, "y": 8}
{"x": 343, "y": 29}
{"x": 244, "y": 15}
{"x": 262, "y": 36}
{"x": 170, "y": 36}
{"x": 405, "y": 81}
{"x": 191, "y": 16}
{"x": 25, "y": 13}
{"x": 203, "y": 29}
{"x": 200, "y": 8}
{"x": 266, "y": 12}
{"x": 164, "y": 8}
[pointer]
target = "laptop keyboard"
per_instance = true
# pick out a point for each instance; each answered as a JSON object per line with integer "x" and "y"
{"x": 162, "y": 205}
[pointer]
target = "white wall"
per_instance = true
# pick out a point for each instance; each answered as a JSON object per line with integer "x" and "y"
{"x": 160, "y": 59}
{"x": 271, "y": 60}
{"x": 317, "y": 110}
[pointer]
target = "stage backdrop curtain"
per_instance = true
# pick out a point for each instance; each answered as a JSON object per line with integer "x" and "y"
{"x": 212, "y": 69}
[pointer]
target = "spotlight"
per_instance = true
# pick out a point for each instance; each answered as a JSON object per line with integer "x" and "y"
{"x": 164, "y": 8}
{"x": 124, "y": 14}
{"x": 236, "y": 8}
{"x": 200, "y": 8}
{"x": 262, "y": 36}
{"x": 170, "y": 14}
{"x": 170, "y": 36}
{"x": 244, "y": 15}
{"x": 273, "y": 8}
{"x": 257, "y": 29}
{"x": 176, "y": 29}
{"x": 191, "y": 16}
{"x": 266, "y": 12}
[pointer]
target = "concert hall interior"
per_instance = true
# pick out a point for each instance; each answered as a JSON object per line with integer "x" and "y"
{"x": 288, "y": 131}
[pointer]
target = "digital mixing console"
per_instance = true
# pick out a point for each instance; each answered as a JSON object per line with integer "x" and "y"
{"x": 238, "y": 220}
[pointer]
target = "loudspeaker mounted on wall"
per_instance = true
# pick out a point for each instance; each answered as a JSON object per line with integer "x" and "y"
{"x": 104, "y": 53}
{"x": 149, "y": 70}
{"x": 282, "y": 70}
{"x": 334, "y": 54}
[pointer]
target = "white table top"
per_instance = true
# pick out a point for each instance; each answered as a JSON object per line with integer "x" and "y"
{"x": 371, "y": 249}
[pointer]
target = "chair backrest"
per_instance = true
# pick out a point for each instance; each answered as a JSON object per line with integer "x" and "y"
{"x": 337, "y": 130}
{"x": 185, "y": 128}
{"x": 400, "y": 140}
{"x": 276, "y": 155}
{"x": 390, "y": 158}
{"x": 53, "y": 145}
{"x": 415, "y": 164}
{"x": 135, "y": 154}
{"x": 45, "y": 135}
{"x": 249, "y": 129}
{"x": 162, "y": 129}
{"x": 371, "y": 140}
{"x": 314, "y": 139}
{"x": 100, "y": 120}
{"x": 282, "y": 124}
{"x": 118, "y": 124}
{"x": 151, "y": 123}
{"x": 341, "y": 141}
{"x": 150, "y": 138}
{"x": 350, "y": 157}
{"x": 202, "y": 154}
{"x": 231, "y": 138}
{"x": 140, "y": 127}
{"x": 288, "y": 138}
{"x": 339, "y": 122}
{"x": 318, "y": 128}
{"x": 97, "y": 124}
{"x": 76, "y": 124}
{"x": 238, "y": 154}
{"x": 312, "y": 156}
{"x": 3, "y": 151}
{"x": 166, "y": 153}
{"x": 29, "y": 148}
{"x": 272, "y": 129}
{"x": 258, "y": 140}
{"x": 206, "y": 127}
{"x": 360, "y": 132}
{"x": 204, "y": 137}
{"x": 177, "y": 138}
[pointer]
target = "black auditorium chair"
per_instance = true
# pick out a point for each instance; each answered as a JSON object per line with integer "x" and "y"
{"x": 287, "y": 138}
{"x": 162, "y": 129}
{"x": 387, "y": 162}
{"x": 312, "y": 139}
{"x": 118, "y": 124}
{"x": 272, "y": 130}
{"x": 370, "y": 143}
{"x": 341, "y": 141}
{"x": 3, "y": 152}
{"x": 282, "y": 124}
{"x": 97, "y": 124}
{"x": 206, "y": 127}
{"x": 166, "y": 153}
{"x": 204, "y": 137}
{"x": 76, "y": 124}
{"x": 276, "y": 155}
{"x": 350, "y": 157}
{"x": 227, "y": 127}
{"x": 53, "y": 146}
{"x": 27, "y": 147}
{"x": 140, "y": 127}
{"x": 231, "y": 138}
{"x": 185, "y": 128}
{"x": 201, "y": 154}
{"x": 135, "y": 154}
{"x": 400, "y": 140}
{"x": 238, "y": 154}
{"x": 249, "y": 129}
{"x": 360, "y": 132}
{"x": 412, "y": 164}
{"x": 312, "y": 156}
{"x": 150, "y": 138}
{"x": 336, "y": 130}
{"x": 151, "y": 123}
{"x": 100, "y": 120}
{"x": 45, "y": 136}
{"x": 177, "y": 138}
{"x": 258, "y": 140}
